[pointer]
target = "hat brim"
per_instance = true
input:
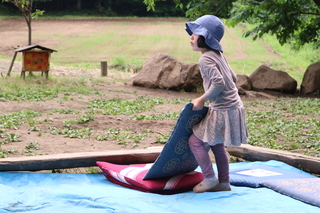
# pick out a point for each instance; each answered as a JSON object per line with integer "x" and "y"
{"x": 211, "y": 41}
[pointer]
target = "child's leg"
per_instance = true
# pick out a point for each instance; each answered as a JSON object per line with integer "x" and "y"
{"x": 202, "y": 156}
{"x": 222, "y": 162}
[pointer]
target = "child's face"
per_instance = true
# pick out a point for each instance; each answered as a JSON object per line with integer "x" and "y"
{"x": 194, "y": 43}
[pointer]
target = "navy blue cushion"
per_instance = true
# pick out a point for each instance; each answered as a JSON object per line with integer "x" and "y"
{"x": 253, "y": 176}
{"x": 304, "y": 189}
{"x": 176, "y": 157}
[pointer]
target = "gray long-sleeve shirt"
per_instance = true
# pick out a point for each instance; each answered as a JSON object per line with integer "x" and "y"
{"x": 219, "y": 81}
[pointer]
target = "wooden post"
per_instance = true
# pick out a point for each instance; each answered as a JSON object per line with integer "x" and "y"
{"x": 104, "y": 68}
{"x": 12, "y": 62}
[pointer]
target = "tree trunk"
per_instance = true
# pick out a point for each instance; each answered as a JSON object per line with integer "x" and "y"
{"x": 79, "y": 4}
{"x": 29, "y": 31}
{"x": 98, "y": 5}
{"x": 28, "y": 19}
{"x": 26, "y": 8}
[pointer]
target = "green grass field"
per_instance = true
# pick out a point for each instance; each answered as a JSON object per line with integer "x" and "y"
{"x": 132, "y": 41}
{"x": 137, "y": 41}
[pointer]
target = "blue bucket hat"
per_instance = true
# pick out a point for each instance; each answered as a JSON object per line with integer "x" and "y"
{"x": 210, "y": 27}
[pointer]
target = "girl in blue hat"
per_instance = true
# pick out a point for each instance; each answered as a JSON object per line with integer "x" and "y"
{"x": 225, "y": 123}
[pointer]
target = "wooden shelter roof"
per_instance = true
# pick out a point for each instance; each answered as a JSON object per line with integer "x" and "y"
{"x": 21, "y": 49}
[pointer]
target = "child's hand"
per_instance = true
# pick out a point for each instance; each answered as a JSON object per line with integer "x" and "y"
{"x": 198, "y": 103}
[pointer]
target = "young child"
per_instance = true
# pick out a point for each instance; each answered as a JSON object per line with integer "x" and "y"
{"x": 225, "y": 124}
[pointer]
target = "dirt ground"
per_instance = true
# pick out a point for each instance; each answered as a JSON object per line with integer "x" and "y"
{"x": 49, "y": 143}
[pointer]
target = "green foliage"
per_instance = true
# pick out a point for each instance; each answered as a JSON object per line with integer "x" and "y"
{"x": 151, "y": 4}
{"x": 31, "y": 94}
{"x": 122, "y": 91}
{"x": 163, "y": 138}
{"x": 25, "y": 6}
{"x": 80, "y": 120}
{"x": 4, "y": 152}
{"x": 92, "y": 170}
{"x": 283, "y": 124}
{"x": 33, "y": 89}
{"x": 123, "y": 138}
{"x": 11, "y": 120}
{"x": 32, "y": 146}
{"x": 9, "y": 137}
{"x": 116, "y": 106}
{"x": 34, "y": 129}
{"x": 73, "y": 133}
{"x": 164, "y": 116}
{"x": 126, "y": 63}
{"x": 64, "y": 111}
{"x": 219, "y": 8}
{"x": 197, "y": 8}
{"x": 296, "y": 22}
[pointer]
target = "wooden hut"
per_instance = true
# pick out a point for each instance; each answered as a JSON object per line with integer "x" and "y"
{"x": 35, "y": 58}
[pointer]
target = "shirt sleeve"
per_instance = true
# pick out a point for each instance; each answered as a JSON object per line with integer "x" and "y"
{"x": 212, "y": 78}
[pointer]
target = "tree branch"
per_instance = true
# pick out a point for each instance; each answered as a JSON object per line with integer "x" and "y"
{"x": 306, "y": 13}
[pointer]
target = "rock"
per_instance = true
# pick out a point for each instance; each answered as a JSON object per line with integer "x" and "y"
{"x": 241, "y": 91}
{"x": 244, "y": 82}
{"x": 311, "y": 79}
{"x": 267, "y": 78}
{"x": 165, "y": 72}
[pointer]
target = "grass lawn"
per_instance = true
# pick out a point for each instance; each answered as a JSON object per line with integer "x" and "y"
{"x": 132, "y": 41}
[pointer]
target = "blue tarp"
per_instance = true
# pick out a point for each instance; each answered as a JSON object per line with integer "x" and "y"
{"x": 52, "y": 192}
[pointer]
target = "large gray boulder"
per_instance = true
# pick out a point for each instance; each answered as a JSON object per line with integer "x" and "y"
{"x": 311, "y": 79}
{"x": 165, "y": 72}
{"x": 244, "y": 82}
{"x": 265, "y": 78}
